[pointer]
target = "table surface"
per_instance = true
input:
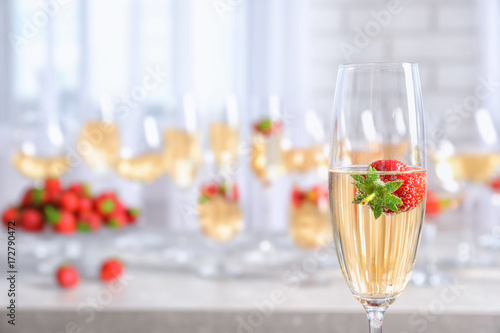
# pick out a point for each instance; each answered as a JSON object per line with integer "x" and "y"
{"x": 148, "y": 301}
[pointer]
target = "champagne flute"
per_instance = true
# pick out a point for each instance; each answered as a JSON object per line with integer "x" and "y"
{"x": 219, "y": 211}
{"x": 307, "y": 163}
{"x": 377, "y": 211}
{"x": 182, "y": 160}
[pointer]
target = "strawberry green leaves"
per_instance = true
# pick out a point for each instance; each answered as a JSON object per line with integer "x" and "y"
{"x": 374, "y": 192}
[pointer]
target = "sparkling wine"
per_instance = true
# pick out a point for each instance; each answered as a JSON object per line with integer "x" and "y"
{"x": 310, "y": 225}
{"x": 267, "y": 157}
{"x": 220, "y": 218}
{"x": 144, "y": 168}
{"x": 41, "y": 167}
{"x": 182, "y": 156}
{"x": 99, "y": 144}
{"x": 224, "y": 143}
{"x": 474, "y": 167}
{"x": 376, "y": 256}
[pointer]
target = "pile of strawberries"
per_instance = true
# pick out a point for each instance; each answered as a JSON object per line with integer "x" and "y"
{"x": 210, "y": 190}
{"x": 68, "y": 210}
{"x": 68, "y": 276}
{"x": 318, "y": 195}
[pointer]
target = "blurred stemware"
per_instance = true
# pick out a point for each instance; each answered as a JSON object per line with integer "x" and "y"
{"x": 469, "y": 154}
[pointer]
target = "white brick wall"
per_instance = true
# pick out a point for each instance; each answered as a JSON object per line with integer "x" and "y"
{"x": 440, "y": 35}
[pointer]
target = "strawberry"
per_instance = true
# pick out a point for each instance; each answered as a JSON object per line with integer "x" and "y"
{"x": 88, "y": 221}
{"x": 85, "y": 204}
{"x": 318, "y": 194}
{"x": 105, "y": 205}
{"x": 210, "y": 190}
{"x": 432, "y": 204}
{"x": 81, "y": 189}
{"x": 236, "y": 193}
{"x": 10, "y": 214}
{"x": 111, "y": 270}
{"x": 69, "y": 201}
{"x": 268, "y": 127}
{"x": 117, "y": 220}
{"x": 32, "y": 220}
{"x": 63, "y": 221}
{"x": 67, "y": 276}
{"x": 495, "y": 184}
{"x": 53, "y": 185}
{"x": 33, "y": 197}
{"x": 298, "y": 197}
{"x": 390, "y": 193}
{"x": 132, "y": 215}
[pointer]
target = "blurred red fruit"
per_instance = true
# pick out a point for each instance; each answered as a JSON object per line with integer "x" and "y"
{"x": 32, "y": 220}
{"x": 89, "y": 221}
{"x": 85, "y": 204}
{"x": 69, "y": 201}
{"x": 117, "y": 220}
{"x": 132, "y": 215}
{"x": 10, "y": 214}
{"x": 432, "y": 205}
{"x": 53, "y": 185}
{"x": 111, "y": 270}
{"x": 66, "y": 223}
{"x": 67, "y": 276}
{"x": 210, "y": 190}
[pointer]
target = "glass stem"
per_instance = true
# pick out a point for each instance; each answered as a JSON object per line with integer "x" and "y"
{"x": 375, "y": 318}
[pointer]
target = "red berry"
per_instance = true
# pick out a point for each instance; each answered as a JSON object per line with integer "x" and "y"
{"x": 432, "y": 205}
{"x": 67, "y": 276}
{"x": 210, "y": 190}
{"x": 111, "y": 270}
{"x": 495, "y": 184}
{"x": 117, "y": 220}
{"x": 32, "y": 220}
{"x": 53, "y": 185}
{"x": 412, "y": 191}
{"x": 85, "y": 204}
{"x": 80, "y": 189}
{"x": 69, "y": 201}
{"x": 10, "y": 214}
{"x": 89, "y": 221}
{"x": 104, "y": 205}
{"x": 66, "y": 223}
{"x": 297, "y": 197}
{"x": 34, "y": 197}
{"x": 132, "y": 215}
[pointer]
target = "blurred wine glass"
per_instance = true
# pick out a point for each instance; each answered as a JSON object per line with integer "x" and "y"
{"x": 469, "y": 153}
{"x": 182, "y": 160}
{"x": 306, "y": 161}
{"x": 219, "y": 211}
{"x": 267, "y": 163}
